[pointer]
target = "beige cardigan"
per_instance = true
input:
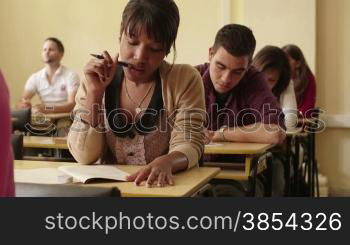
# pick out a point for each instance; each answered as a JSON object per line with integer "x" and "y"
{"x": 183, "y": 98}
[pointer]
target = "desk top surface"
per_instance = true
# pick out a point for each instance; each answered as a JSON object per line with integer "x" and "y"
{"x": 294, "y": 131}
{"x": 236, "y": 148}
{"x": 51, "y": 116}
{"x": 306, "y": 120}
{"x": 186, "y": 183}
{"x": 45, "y": 142}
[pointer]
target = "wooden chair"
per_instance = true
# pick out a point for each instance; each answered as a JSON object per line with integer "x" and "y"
{"x": 22, "y": 120}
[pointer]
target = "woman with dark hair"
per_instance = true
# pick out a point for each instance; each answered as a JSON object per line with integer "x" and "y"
{"x": 273, "y": 62}
{"x": 136, "y": 108}
{"x": 304, "y": 80}
{"x": 7, "y": 188}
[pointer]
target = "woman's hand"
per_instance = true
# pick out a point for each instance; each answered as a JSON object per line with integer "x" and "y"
{"x": 158, "y": 172}
{"x": 208, "y": 135}
{"x": 99, "y": 73}
{"x": 217, "y": 136}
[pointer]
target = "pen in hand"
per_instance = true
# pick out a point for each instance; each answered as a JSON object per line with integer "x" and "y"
{"x": 122, "y": 63}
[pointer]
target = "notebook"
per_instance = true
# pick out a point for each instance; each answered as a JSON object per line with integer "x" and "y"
{"x": 42, "y": 176}
{"x": 211, "y": 144}
{"x": 70, "y": 174}
{"x": 88, "y": 173}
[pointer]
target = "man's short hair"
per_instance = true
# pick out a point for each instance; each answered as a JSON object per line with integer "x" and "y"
{"x": 58, "y": 43}
{"x": 236, "y": 39}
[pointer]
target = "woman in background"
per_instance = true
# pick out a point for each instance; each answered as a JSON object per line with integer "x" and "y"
{"x": 304, "y": 80}
{"x": 7, "y": 188}
{"x": 273, "y": 62}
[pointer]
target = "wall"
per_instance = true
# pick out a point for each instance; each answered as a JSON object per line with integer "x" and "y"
{"x": 333, "y": 62}
{"x": 85, "y": 27}
{"x": 319, "y": 27}
{"x": 237, "y": 10}
{"x": 277, "y": 22}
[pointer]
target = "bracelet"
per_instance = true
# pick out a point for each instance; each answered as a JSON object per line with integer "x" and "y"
{"x": 87, "y": 123}
{"x": 222, "y": 134}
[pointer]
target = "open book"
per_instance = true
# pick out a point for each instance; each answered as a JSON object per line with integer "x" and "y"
{"x": 87, "y": 173}
{"x": 211, "y": 144}
{"x": 69, "y": 174}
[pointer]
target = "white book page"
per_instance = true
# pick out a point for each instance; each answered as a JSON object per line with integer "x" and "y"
{"x": 42, "y": 176}
{"x": 82, "y": 173}
{"x": 211, "y": 144}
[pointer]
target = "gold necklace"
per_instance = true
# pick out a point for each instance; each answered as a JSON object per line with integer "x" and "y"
{"x": 138, "y": 105}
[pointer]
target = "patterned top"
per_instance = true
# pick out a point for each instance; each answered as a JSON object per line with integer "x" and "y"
{"x": 139, "y": 150}
{"x": 183, "y": 103}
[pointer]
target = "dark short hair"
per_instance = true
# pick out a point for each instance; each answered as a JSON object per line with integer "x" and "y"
{"x": 160, "y": 18}
{"x": 59, "y": 44}
{"x": 236, "y": 39}
{"x": 273, "y": 57}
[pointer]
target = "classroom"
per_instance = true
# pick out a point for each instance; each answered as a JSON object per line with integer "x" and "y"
{"x": 307, "y": 160}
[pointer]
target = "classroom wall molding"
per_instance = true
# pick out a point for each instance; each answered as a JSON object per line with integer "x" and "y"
{"x": 336, "y": 120}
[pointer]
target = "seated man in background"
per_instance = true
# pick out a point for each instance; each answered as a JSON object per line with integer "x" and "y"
{"x": 239, "y": 103}
{"x": 55, "y": 84}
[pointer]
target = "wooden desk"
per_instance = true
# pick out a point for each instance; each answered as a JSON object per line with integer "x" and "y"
{"x": 248, "y": 149}
{"x": 43, "y": 120}
{"x": 236, "y": 148}
{"x": 239, "y": 172}
{"x": 45, "y": 142}
{"x": 294, "y": 132}
{"x": 187, "y": 183}
{"x": 51, "y": 116}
